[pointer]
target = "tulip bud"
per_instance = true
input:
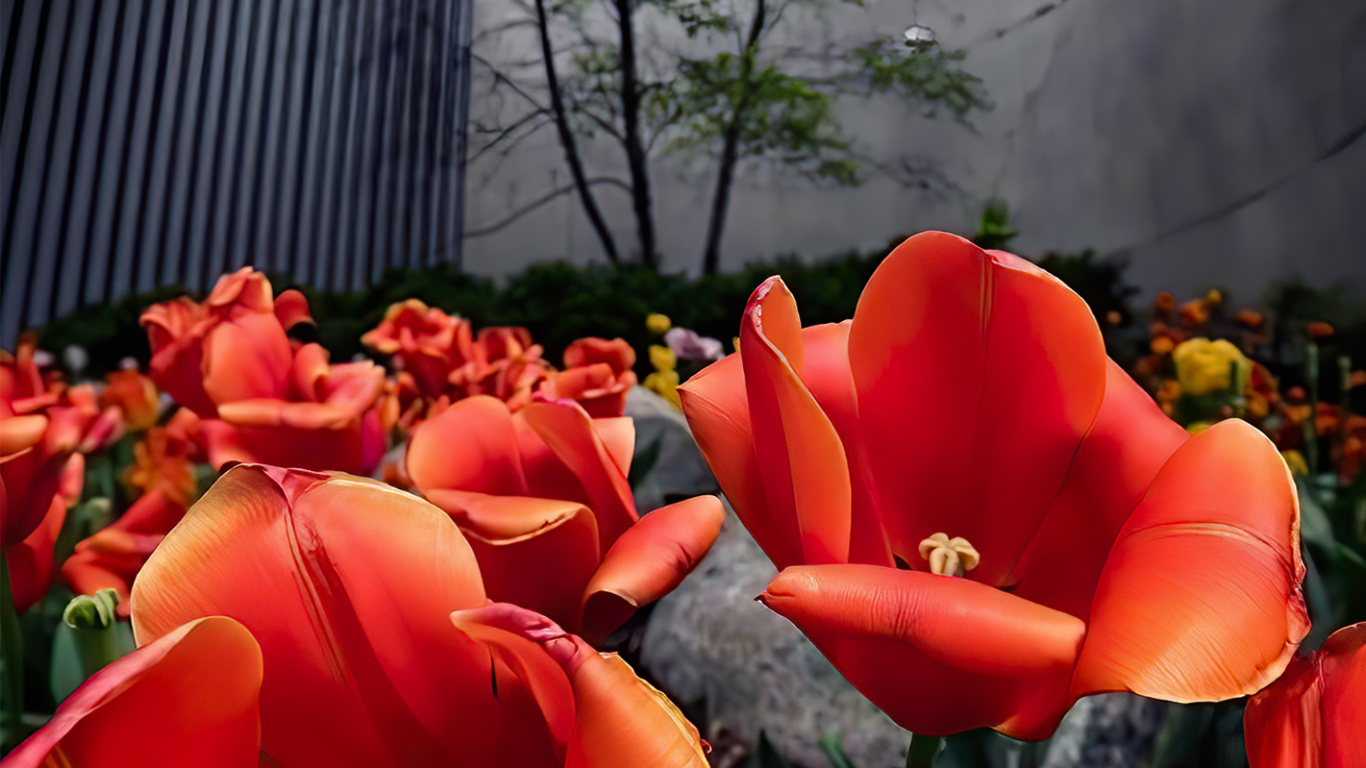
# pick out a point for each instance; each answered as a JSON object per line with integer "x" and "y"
{"x": 92, "y": 612}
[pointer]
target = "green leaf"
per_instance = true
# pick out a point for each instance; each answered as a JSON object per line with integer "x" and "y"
{"x": 834, "y": 751}
{"x": 644, "y": 462}
{"x": 1315, "y": 526}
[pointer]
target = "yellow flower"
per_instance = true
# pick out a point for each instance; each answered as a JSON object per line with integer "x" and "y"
{"x": 662, "y": 358}
{"x": 1295, "y": 460}
{"x": 1204, "y": 367}
{"x": 664, "y": 384}
{"x": 1197, "y": 427}
{"x": 658, "y": 324}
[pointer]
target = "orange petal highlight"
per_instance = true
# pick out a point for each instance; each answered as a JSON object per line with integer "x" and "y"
{"x": 1210, "y": 559}
{"x": 345, "y": 582}
{"x": 471, "y": 446}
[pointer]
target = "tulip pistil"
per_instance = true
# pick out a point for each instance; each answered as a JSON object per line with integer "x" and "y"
{"x": 949, "y": 557}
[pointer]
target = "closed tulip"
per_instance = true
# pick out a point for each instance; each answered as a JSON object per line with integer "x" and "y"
{"x": 979, "y": 518}
{"x": 1312, "y": 716}
{"x": 259, "y": 396}
{"x": 542, "y": 496}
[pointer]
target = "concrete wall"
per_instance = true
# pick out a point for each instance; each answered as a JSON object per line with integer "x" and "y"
{"x": 1208, "y": 141}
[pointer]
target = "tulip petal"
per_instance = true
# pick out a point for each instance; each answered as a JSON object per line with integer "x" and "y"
{"x": 1128, "y": 443}
{"x": 470, "y": 446}
{"x": 569, "y": 433}
{"x": 246, "y": 357}
{"x": 536, "y": 553}
{"x": 608, "y": 694}
{"x": 22, "y": 433}
{"x": 649, "y": 560}
{"x": 825, "y": 371}
{"x": 1311, "y": 716}
{"x": 525, "y": 675}
{"x": 1200, "y": 597}
{"x": 938, "y": 654}
{"x": 716, "y": 404}
{"x": 346, "y": 583}
{"x": 190, "y": 698}
{"x": 30, "y": 561}
{"x": 619, "y": 436}
{"x": 801, "y": 458}
{"x": 1009, "y": 367}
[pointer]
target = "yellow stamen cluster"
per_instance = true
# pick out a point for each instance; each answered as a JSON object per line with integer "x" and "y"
{"x": 949, "y": 557}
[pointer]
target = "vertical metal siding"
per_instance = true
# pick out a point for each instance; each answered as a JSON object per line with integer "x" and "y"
{"x": 158, "y": 142}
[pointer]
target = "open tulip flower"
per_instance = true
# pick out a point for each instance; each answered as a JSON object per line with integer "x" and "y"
{"x": 979, "y": 517}
{"x": 261, "y": 398}
{"x": 506, "y": 365}
{"x": 425, "y": 342}
{"x": 374, "y": 642}
{"x": 44, "y": 429}
{"x": 542, "y": 496}
{"x": 1312, "y": 716}
{"x": 597, "y": 375}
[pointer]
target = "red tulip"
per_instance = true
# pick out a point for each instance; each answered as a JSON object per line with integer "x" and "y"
{"x": 597, "y": 376}
{"x": 1312, "y": 716}
{"x": 425, "y": 342}
{"x": 378, "y": 644}
{"x": 190, "y": 698}
{"x": 968, "y": 422}
{"x": 542, "y": 496}
{"x": 261, "y": 399}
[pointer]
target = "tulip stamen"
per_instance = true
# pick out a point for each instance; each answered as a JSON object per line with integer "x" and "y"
{"x": 949, "y": 557}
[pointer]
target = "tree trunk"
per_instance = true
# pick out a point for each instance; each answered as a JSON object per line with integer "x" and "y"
{"x": 635, "y": 149}
{"x": 730, "y": 147}
{"x": 571, "y": 149}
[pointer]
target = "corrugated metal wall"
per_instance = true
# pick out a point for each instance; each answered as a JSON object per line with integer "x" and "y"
{"x": 156, "y": 142}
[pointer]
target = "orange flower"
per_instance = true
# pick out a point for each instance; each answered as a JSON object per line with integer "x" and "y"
{"x": 261, "y": 399}
{"x": 46, "y": 426}
{"x": 163, "y": 459}
{"x": 1195, "y": 313}
{"x": 374, "y": 645}
{"x": 423, "y": 341}
{"x": 597, "y": 375}
{"x": 1099, "y": 547}
{"x": 1311, "y": 717}
{"x": 1318, "y": 331}
{"x": 1249, "y": 319}
{"x": 135, "y": 395}
{"x": 543, "y": 498}
{"x": 506, "y": 365}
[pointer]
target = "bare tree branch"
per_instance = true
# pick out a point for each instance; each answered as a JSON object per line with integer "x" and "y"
{"x": 548, "y": 197}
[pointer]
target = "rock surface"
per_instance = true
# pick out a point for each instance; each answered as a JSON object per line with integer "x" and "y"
{"x": 679, "y": 469}
{"x": 717, "y": 651}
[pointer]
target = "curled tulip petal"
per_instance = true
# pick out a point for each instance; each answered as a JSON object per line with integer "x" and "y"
{"x": 30, "y": 561}
{"x": 372, "y": 573}
{"x": 245, "y": 358}
{"x": 568, "y": 432}
{"x": 649, "y": 560}
{"x": 942, "y": 653}
{"x": 537, "y": 553}
{"x": 1209, "y": 559}
{"x": 619, "y": 437}
{"x": 717, "y": 408}
{"x": 190, "y": 698}
{"x": 607, "y": 694}
{"x": 801, "y": 457}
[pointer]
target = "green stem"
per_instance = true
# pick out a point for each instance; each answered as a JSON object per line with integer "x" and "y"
{"x": 922, "y": 751}
{"x": 11, "y": 662}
